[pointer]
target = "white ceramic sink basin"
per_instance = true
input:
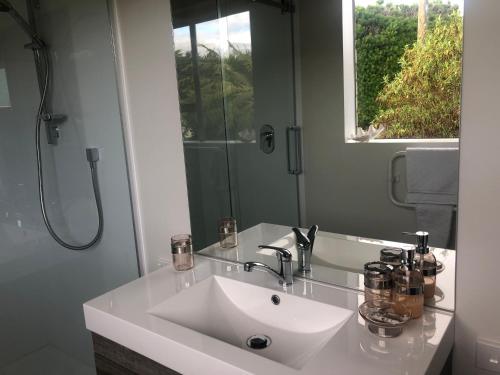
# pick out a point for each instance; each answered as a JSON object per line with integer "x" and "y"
{"x": 233, "y": 311}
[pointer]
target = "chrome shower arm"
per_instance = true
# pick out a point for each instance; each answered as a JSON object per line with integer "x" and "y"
{"x": 6, "y": 6}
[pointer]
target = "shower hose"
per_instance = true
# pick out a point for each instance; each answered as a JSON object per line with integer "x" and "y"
{"x": 41, "y": 56}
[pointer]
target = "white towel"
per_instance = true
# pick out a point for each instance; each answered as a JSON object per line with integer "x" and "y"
{"x": 432, "y": 175}
{"x": 437, "y": 220}
{"x": 432, "y": 183}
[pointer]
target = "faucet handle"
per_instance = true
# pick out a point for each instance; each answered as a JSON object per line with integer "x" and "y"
{"x": 302, "y": 240}
{"x": 282, "y": 253}
{"x": 311, "y": 235}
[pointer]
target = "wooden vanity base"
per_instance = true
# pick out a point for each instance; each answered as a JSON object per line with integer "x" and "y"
{"x": 114, "y": 359}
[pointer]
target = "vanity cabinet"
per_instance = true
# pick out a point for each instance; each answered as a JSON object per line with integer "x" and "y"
{"x": 114, "y": 359}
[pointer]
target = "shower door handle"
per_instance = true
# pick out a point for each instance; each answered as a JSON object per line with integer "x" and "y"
{"x": 294, "y": 149}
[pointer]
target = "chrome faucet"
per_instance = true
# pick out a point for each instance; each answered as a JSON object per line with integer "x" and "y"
{"x": 305, "y": 246}
{"x": 285, "y": 275}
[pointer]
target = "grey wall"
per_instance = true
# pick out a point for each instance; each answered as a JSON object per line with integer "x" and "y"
{"x": 22, "y": 266}
{"x": 42, "y": 285}
{"x": 208, "y": 188}
{"x": 478, "y": 255}
{"x": 345, "y": 184}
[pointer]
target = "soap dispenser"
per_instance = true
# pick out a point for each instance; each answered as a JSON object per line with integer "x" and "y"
{"x": 426, "y": 263}
{"x": 409, "y": 285}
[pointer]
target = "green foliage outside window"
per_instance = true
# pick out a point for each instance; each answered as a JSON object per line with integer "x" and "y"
{"x": 225, "y": 93}
{"x": 423, "y": 99}
{"x": 238, "y": 92}
{"x": 410, "y": 87}
{"x": 382, "y": 32}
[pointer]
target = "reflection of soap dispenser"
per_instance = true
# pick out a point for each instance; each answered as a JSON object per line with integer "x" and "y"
{"x": 409, "y": 285}
{"x": 426, "y": 263}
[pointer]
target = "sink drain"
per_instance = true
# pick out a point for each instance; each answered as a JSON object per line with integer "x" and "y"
{"x": 258, "y": 342}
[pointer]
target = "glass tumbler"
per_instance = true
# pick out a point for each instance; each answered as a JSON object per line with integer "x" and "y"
{"x": 182, "y": 252}
{"x": 228, "y": 232}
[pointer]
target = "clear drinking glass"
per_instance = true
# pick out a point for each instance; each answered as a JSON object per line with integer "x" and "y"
{"x": 182, "y": 252}
{"x": 228, "y": 232}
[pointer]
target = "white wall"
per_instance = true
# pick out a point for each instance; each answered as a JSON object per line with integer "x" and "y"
{"x": 478, "y": 253}
{"x": 152, "y": 120}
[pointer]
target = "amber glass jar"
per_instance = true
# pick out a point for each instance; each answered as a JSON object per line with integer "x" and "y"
{"x": 409, "y": 285}
{"x": 228, "y": 232}
{"x": 427, "y": 265}
{"x": 182, "y": 252}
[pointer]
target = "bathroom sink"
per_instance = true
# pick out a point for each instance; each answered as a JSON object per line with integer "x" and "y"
{"x": 275, "y": 325}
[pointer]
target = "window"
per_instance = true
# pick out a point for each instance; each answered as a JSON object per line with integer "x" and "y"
{"x": 402, "y": 69}
{"x": 4, "y": 90}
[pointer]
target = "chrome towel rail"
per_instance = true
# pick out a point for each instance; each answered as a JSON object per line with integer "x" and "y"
{"x": 391, "y": 181}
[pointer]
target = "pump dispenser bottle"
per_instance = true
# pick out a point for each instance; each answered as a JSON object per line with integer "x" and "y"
{"x": 409, "y": 285}
{"x": 426, "y": 263}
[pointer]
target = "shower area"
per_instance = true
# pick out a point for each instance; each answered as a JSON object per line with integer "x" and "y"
{"x": 66, "y": 229}
{"x": 235, "y": 70}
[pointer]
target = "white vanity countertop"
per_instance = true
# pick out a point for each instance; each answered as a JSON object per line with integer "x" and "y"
{"x": 122, "y": 316}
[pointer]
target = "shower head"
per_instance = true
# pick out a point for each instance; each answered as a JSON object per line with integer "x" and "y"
{"x": 6, "y": 6}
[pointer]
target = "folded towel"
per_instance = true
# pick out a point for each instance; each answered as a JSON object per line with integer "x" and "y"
{"x": 432, "y": 183}
{"x": 437, "y": 220}
{"x": 432, "y": 175}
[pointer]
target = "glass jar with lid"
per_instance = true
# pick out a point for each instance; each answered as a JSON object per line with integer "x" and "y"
{"x": 391, "y": 256}
{"x": 182, "y": 252}
{"x": 228, "y": 232}
{"x": 378, "y": 281}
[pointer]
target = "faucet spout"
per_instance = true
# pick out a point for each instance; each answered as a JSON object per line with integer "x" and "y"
{"x": 285, "y": 275}
{"x": 249, "y": 266}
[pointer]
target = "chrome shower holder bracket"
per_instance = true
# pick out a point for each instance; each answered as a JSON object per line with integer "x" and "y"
{"x": 52, "y": 123}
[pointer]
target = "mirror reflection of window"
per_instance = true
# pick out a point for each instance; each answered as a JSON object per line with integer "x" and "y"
{"x": 4, "y": 90}
{"x": 214, "y": 68}
{"x": 238, "y": 76}
{"x": 408, "y": 67}
{"x": 185, "y": 81}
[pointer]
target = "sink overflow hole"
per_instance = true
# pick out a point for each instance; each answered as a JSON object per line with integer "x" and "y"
{"x": 275, "y": 299}
{"x": 258, "y": 342}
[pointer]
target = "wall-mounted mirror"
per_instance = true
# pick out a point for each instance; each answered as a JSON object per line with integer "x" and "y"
{"x": 363, "y": 101}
